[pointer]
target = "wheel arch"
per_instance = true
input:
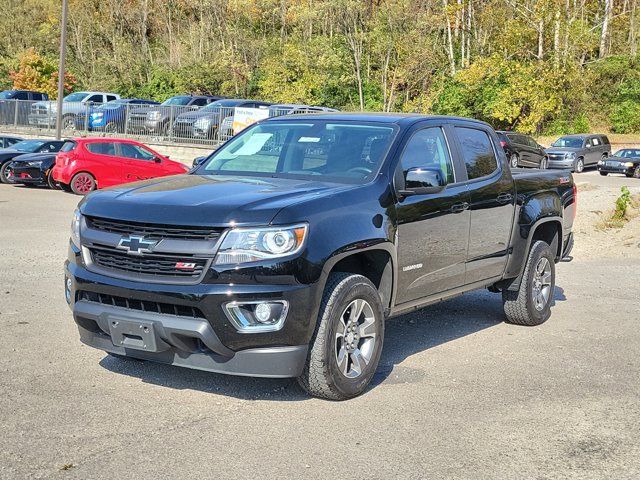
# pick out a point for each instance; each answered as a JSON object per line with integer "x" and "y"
{"x": 376, "y": 263}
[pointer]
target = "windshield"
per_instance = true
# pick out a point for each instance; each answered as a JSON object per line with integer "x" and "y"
{"x": 628, "y": 153}
{"x": 6, "y": 94}
{"x": 221, "y": 103}
{"x": 27, "y": 145}
{"x": 177, "y": 101}
{"x": 337, "y": 151}
{"x": 75, "y": 97}
{"x": 569, "y": 142}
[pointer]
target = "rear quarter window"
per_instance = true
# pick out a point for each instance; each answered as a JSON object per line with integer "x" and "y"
{"x": 68, "y": 146}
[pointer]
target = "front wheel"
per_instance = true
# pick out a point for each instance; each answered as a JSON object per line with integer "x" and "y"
{"x": 604, "y": 174}
{"x": 83, "y": 183}
{"x": 544, "y": 163}
{"x": 346, "y": 346}
{"x": 531, "y": 303}
{"x": 53, "y": 185}
{"x": 6, "y": 175}
{"x": 636, "y": 172}
{"x": 578, "y": 167}
{"x": 513, "y": 161}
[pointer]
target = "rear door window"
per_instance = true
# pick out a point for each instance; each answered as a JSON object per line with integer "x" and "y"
{"x": 477, "y": 151}
{"x": 595, "y": 141}
{"x": 102, "y": 148}
{"x": 199, "y": 102}
{"x": 111, "y": 97}
{"x": 95, "y": 99}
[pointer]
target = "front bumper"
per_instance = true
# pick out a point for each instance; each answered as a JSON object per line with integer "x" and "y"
{"x": 622, "y": 170}
{"x": 561, "y": 164}
{"x": 29, "y": 175}
{"x": 205, "y": 342}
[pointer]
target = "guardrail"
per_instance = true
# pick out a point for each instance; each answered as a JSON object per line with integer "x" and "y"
{"x": 207, "y": 126}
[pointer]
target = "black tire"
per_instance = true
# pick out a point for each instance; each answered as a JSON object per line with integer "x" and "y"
{"x": 69, "y": 122}
{"x": 520, "y": 306}
{"x": 628, "y": 175}
{"x": 578, "y": 165}
{"x": 322, "y": 377}
{"x": 53, "y": 185}
{"x": 4, "y": 173}
{"x": 636, "y": 172}
{"x": 604, "y": 174}
{"x": 543, "y": 163}
{"x": 514, "y": 160}
{"x": 65, "y": 187}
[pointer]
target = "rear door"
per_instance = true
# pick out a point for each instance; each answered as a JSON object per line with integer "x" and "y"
{"x": 536, "y": 153}
{"x": 433, "y": 229}
{"x": 103, "y": 162}
{"x": 595, "y": 149}
{"x": 492, "y": 198}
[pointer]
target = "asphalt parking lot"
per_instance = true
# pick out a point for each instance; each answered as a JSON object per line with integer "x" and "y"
{"x": 459, "y": 393}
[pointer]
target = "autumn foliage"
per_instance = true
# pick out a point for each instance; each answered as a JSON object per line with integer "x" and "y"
{"x": 39, "y": 74}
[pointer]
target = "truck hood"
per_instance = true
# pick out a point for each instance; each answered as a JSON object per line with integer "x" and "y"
{"x": 205, "y": 200}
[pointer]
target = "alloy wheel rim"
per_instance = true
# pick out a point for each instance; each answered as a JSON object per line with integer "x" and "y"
{"x": 541, "y": 285}
{"x": 355, "y": 338}
{"x": 514, "y": 161}
{"x": 580, "y": 166}
{"x": 83, "y": 184}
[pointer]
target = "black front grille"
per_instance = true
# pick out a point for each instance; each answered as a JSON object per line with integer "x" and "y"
{"x": 141, "y": 305}
{"x": 154, "y": 231}
{"x": 149, "y": 264}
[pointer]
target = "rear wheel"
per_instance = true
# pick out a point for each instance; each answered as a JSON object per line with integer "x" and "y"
{"x": 69, "y": 122}
{"x": 578, "y": 166}
{"x": 111, "y": 127}
{"x": 6, "y": 174}
{"x": 531, "y": 303}
{"x": 346, "y": 346}
{"x": 513, "y": 160}
{"x": 83, "y": 183}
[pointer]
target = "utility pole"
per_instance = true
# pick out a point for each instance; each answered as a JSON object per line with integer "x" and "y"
{"x": 63, "y": 54}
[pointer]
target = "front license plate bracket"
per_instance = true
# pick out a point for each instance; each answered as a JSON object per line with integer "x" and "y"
{"x": 138, "y": 334}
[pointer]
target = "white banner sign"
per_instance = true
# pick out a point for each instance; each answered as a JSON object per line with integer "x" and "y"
{"x": 243, "y": 117}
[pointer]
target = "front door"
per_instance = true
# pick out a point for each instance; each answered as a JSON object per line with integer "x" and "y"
{"x": 492, "y": 194}
{"x": 139, "y": 163}
{"x": 433, "y": 229}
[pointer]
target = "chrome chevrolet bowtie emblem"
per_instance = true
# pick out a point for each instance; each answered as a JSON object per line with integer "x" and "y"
{"x": 135, "y": 245}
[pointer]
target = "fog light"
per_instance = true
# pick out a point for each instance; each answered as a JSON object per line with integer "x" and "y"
{"x": 67, "y": 290}
{"x": 263, "y": 313}
{"x": 255, "y": 317}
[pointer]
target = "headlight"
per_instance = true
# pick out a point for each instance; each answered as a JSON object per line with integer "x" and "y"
{"x": 628, "y": 164}
{"x": 244, "y": 245}
{"x": 97, "y": 115}
{"x": 202, "y": 123}
{"x": 75, "y": 228}
{"x": 600, "y": 162}
{"x": 570, "y": 155}
{"x": 155, "y": 115}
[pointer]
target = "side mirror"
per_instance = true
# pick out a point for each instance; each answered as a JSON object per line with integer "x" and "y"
{"x": 157, "y": 159}
{"x": 588, "y": 146}
{"x": 198, "y": 161}
{"x": 423, "y": 181}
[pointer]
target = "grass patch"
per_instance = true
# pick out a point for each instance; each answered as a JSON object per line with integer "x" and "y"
{"x": 626, "y": 208}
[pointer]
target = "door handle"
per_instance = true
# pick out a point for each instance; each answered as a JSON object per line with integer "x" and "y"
{"x": 504, "y": 198}
{"x": 459, "y": 207}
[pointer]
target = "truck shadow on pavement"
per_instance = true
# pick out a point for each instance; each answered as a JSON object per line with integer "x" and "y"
{"x": 405, "y": 336}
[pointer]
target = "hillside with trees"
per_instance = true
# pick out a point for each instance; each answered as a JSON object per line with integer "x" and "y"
{"x": 538, "y": 66}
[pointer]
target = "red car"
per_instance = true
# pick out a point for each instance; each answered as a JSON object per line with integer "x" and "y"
{"x": 85, "y": 164}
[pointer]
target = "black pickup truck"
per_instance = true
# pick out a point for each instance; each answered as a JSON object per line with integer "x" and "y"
{"x": 283, "y": 252}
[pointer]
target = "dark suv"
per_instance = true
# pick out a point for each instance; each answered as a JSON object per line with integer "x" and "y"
{"x": 522, "y": 150}
{"x": 575, "y": 152}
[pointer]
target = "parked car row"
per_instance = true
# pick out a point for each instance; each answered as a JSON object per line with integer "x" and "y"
{"x": 81, "y": 165}
{"x": 569, "y": 152}
{"x": 195, "y": 118}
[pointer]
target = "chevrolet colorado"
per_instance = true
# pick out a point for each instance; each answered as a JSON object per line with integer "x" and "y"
{"x": 284, "y": 251}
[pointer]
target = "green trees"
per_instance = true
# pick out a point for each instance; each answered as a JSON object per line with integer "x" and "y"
{"x": 533, "y": 65}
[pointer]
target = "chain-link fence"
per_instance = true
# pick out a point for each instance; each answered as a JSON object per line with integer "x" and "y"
{"x": 210, "y": 125}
